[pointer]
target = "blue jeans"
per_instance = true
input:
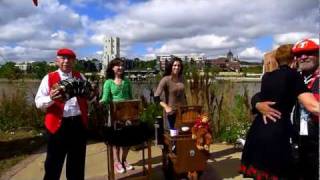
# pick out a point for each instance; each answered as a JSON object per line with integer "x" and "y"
{"x": 171, "y": 120}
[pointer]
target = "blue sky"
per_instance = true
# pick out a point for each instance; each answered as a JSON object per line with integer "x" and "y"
{"x": 148, "y": 28}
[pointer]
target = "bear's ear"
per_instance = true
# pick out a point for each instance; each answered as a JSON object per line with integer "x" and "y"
{"x": 205, "y": 118}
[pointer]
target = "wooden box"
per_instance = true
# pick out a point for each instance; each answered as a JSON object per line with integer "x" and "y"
{"x": 185, "y": 157}
{"x": 126, "y": 110}
{"x": 186, "y": 116}
{"x": 181, "y": 150}
{"x": 121, "y": 112}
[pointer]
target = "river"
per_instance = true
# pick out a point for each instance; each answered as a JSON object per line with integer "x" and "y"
{"x": 9, "y": 88}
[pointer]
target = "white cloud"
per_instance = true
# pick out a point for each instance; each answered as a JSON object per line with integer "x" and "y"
{"x": 251, "y": 54}
{"x": 292, "y": 37}
{"x": 181, "y": 24}
{"x": 196, "y": 44}
{"x": 149, "y": 57}
{"x": 20, "y": 53}
{"x": 45, "y": 28}
{"x": 166, "y": 26}
{"x": 59, "y": 35}
{"x": 159, "y": 19}
{"x": 210, "y": 45}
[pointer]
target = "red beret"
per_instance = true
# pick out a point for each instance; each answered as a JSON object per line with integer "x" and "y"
{"x": 66, "y": 52}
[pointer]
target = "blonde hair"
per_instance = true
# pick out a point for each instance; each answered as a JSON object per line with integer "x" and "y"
{"x": 284, "y": 55}
{"x": 269, "y": 61}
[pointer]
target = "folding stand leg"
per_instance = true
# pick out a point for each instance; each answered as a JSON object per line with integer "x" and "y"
{"x": 165, "y": 151}
{"x": 110, "y": 162}
{"x": 143, "y": 161}
{"x": 149, "y": 159}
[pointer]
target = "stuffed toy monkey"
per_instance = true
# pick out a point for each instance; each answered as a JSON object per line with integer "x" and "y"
{"x": 201, "y": 132}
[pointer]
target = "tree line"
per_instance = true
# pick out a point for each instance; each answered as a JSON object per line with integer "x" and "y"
{"x": 37, "y": 70}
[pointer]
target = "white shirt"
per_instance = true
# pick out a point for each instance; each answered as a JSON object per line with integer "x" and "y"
{"x": 43, "y": 100}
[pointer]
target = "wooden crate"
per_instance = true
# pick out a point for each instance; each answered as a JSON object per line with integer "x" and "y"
{"x": 186, "y": 157}
{"x": 186, "y": 116}
{"x": 126, "y": 110}
{"x": 122, "y": 111}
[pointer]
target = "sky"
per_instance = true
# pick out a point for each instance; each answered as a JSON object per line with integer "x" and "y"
{"x": 147, "y": 28}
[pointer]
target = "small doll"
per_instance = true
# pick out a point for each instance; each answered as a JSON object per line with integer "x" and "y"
{"x": 201, "y": 132}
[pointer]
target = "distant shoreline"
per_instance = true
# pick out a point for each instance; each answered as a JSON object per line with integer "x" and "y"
{"x": 233, "y": 79}
{"x": 239, "y": 79}
{"x": 4, "y": 80}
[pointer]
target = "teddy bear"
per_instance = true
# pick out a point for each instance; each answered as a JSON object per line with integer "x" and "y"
{"x": 201, "y": 132}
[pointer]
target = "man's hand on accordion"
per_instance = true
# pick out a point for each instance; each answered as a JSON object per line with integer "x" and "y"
{"x": 56, "y": 92}
{"x": 69, "y": 88}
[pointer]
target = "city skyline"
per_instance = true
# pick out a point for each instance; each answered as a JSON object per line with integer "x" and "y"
{"x": 149, "y": 28}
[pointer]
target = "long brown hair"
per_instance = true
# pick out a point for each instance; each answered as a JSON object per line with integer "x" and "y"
{"x": 168, "y": 68}
{"x": 110, "y": 72}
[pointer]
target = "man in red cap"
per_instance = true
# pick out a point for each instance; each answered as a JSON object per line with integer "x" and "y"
{"x": 65, "y": 121}
{"x": 306, "y": 125}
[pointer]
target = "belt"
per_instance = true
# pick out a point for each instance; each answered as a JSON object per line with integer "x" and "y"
{"x": 72, "y": 118}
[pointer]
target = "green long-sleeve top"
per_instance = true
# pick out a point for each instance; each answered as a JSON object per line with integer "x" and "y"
{"x": 114, "y": 92}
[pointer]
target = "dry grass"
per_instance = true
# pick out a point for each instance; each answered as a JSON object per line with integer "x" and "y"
{"x": 227, "y": 108}
{"x": 20, "y": 125}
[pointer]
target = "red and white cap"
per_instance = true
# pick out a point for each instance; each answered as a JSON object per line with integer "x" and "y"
{"x": 305, "y": 45}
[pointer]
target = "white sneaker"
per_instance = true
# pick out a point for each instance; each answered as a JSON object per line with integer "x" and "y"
{"x": 127, "y": 165}
{"x": 118, "y": 167}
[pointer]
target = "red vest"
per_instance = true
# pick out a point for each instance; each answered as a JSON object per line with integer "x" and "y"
{"x": 54, "y": 112}
{"x": 314, "y": 86}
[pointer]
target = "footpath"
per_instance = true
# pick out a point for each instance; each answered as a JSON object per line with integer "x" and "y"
{"x": 223, "y": 163}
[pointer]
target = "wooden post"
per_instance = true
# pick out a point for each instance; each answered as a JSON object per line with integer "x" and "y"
{"x": 149, "y": 160}
{"x": 143, "y": 161}
{"x": 111, "y": 175}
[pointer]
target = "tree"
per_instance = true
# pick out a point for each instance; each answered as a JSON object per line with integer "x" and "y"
{"x": 9, "y": 71}
{"x": 252, "y": 69}
{"x": 79, "y": 66}
{"x": 138, "y": 64}
{"x": 40, "y": 69}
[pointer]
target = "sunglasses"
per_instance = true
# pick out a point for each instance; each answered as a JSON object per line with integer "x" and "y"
{"x": 306, "y": 55}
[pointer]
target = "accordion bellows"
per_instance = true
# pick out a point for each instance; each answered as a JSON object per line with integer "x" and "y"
{"x": 74, "y": 87}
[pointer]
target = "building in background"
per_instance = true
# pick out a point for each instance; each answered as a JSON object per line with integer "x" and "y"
{"x": 24, "y": 66}
{"x": 111, "y": 50}
{"x": 228, "y": 63}
{"x": 198, "y": 59}
{"x": 163, "y": 60}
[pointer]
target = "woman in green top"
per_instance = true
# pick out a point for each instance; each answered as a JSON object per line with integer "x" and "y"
{"x": 117, "y": 88}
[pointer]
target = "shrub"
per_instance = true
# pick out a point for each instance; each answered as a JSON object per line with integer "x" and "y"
{"x": 229, "y": 111}
{"x": 18, "y": 111}
{"x": 150, "y": 113}
{"x": 235, "y": 117}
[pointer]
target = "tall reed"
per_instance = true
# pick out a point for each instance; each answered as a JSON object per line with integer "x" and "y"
{"x": 229, "y": 111}
{"x": 17, "y": 110}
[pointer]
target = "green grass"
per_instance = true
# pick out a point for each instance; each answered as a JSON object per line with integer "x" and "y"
{"x": 17, "y": 145}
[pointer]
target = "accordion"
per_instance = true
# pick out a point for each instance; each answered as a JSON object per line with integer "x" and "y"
{"x": 70, "y": 88}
